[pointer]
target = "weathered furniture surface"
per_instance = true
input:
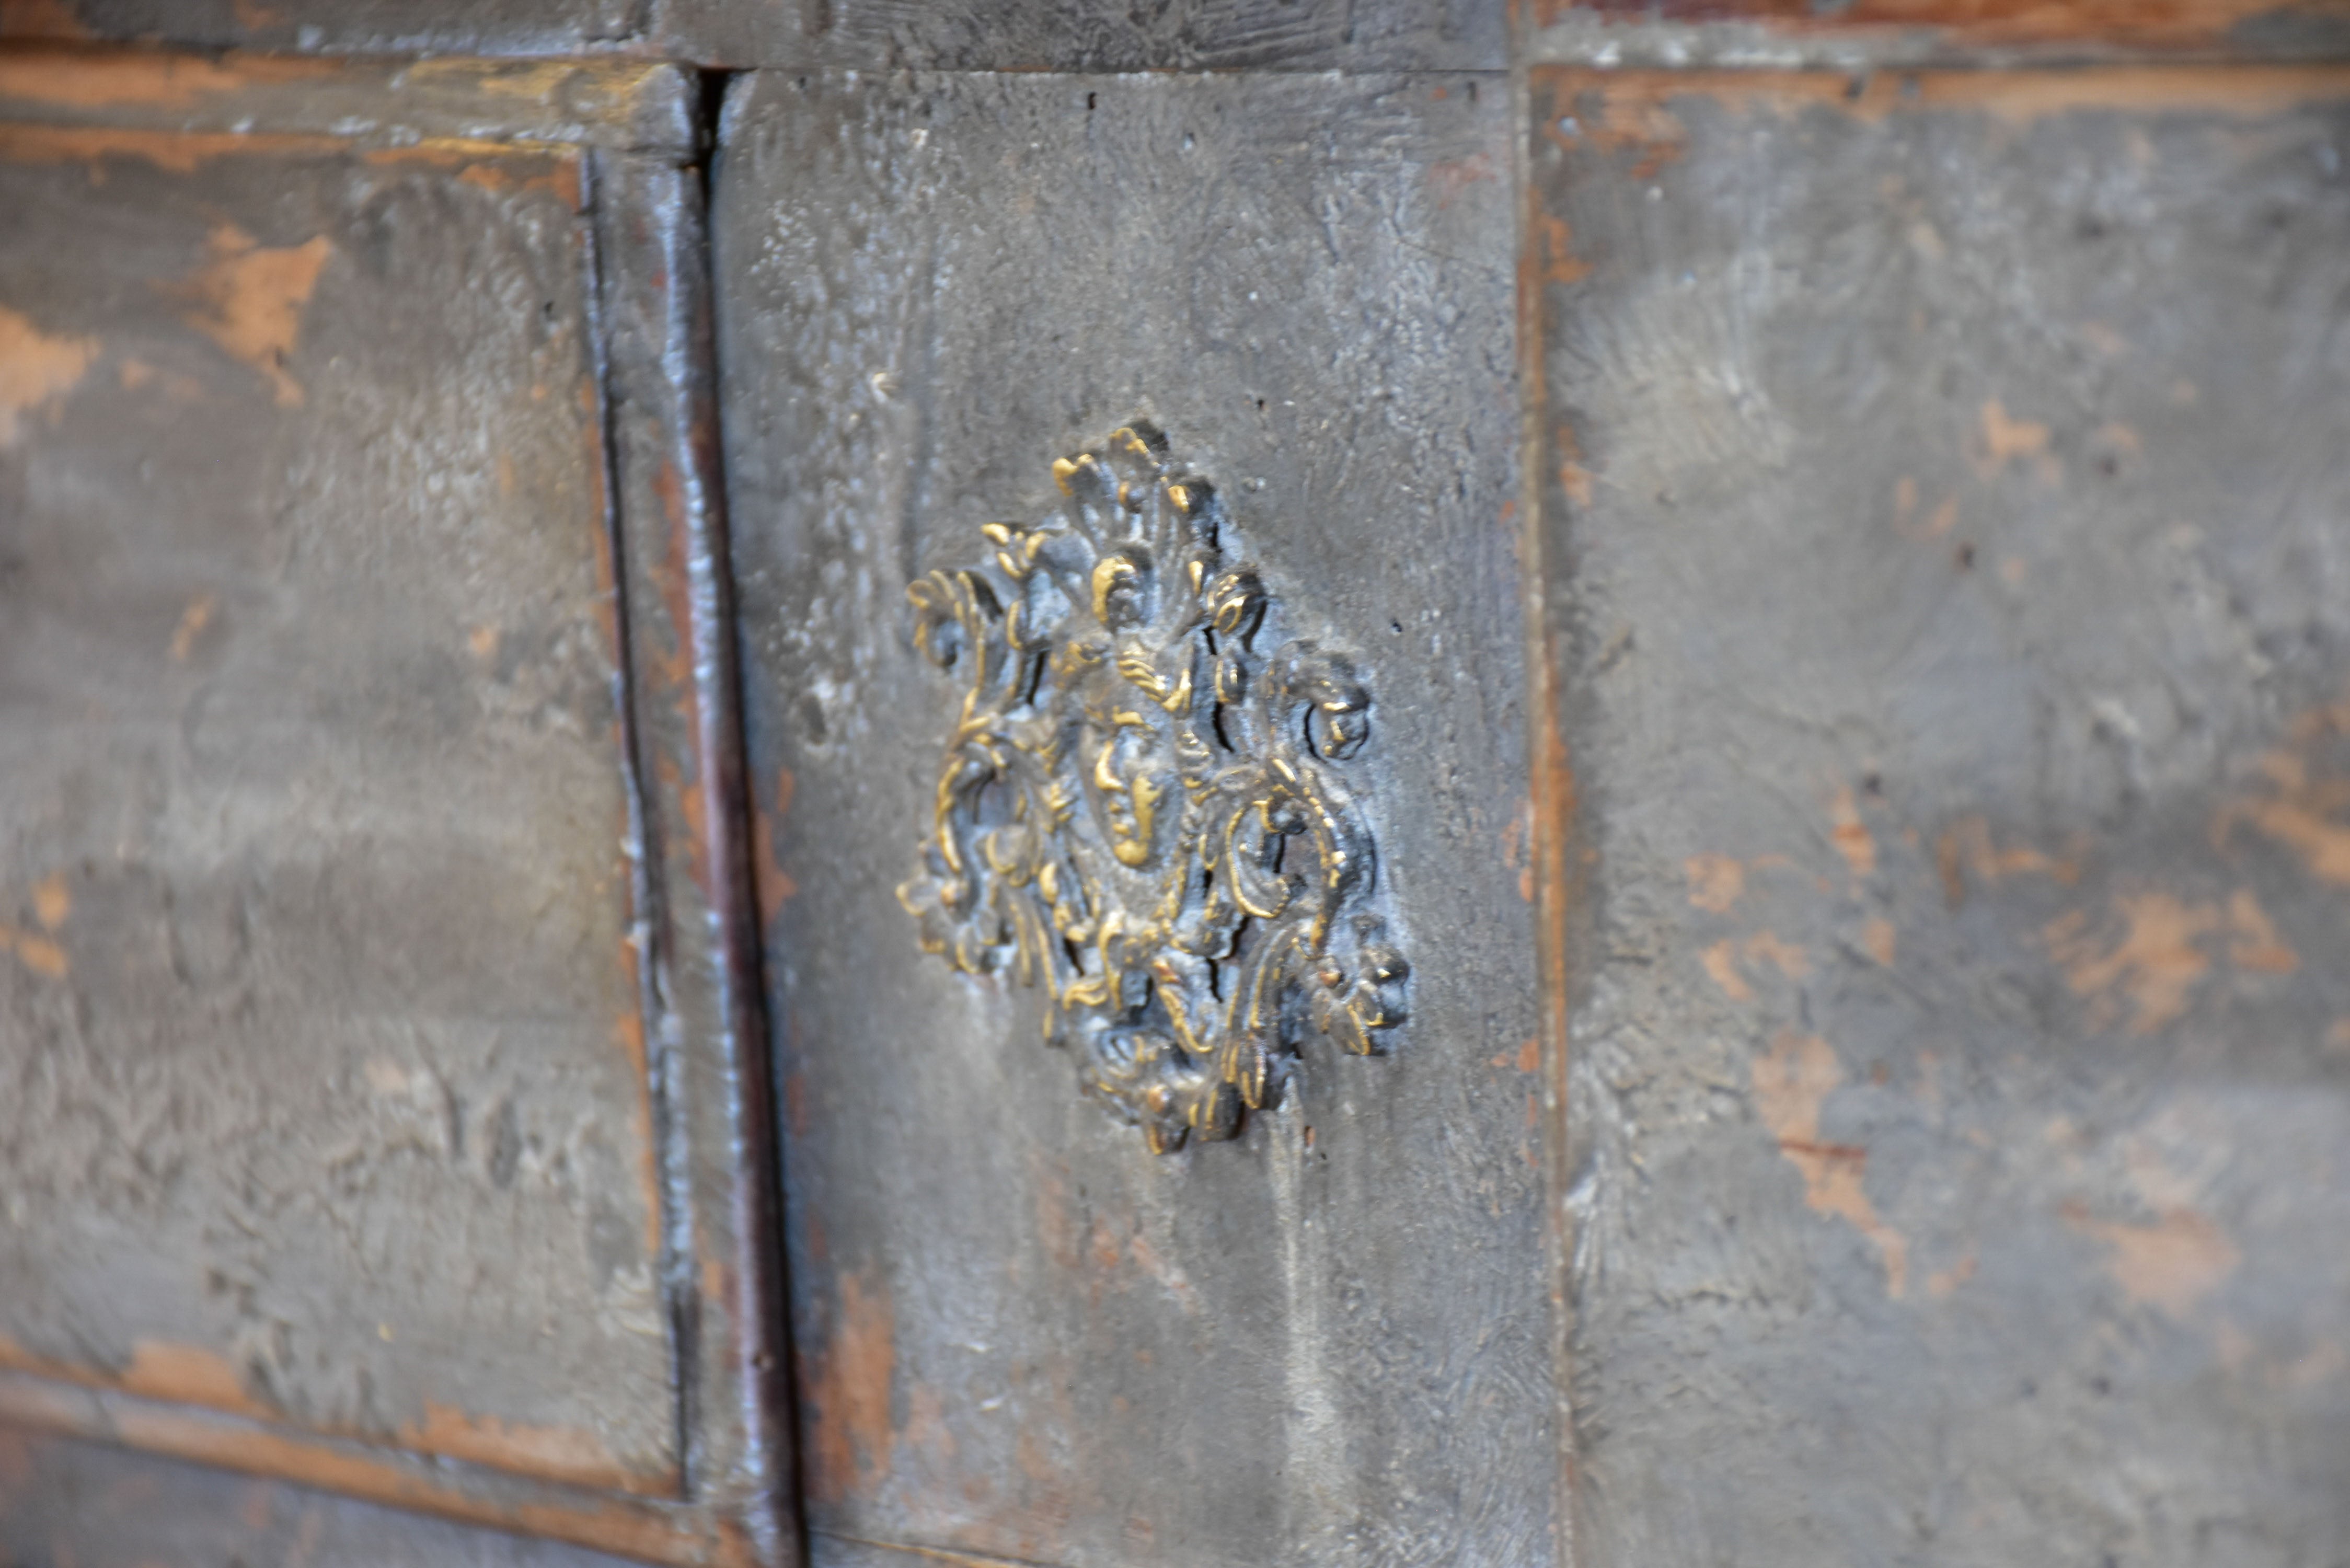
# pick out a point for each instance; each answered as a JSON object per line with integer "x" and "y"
{"x": 1020, "y": 1333}
{"x": 364, "y": 885}
{"x": 1833, "y": 521}
{"x": 1943, "y": 522}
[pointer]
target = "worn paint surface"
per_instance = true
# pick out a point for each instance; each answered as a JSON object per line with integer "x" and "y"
{"x": 717, "y": 1137}
{"x": 321, "y": 1091}
{"x": 640, "y": 107}
{"x": 1943, "y": 526}
{"x": 1026, "y": 34}
{"x": 1020, "y": 1334}
{"x": 64, "y": 1502}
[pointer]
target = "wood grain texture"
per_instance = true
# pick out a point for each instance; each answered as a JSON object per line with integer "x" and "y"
{"x": 1941, "y": 506}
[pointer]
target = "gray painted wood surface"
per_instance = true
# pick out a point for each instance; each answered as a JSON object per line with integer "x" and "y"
{"x": 1019, "y": 1333}
{"x": 322, "y": 1102}
{"x": 1943, "y": 531}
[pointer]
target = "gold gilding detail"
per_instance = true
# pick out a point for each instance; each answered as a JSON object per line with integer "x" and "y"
{"x": 1142, "y": 813}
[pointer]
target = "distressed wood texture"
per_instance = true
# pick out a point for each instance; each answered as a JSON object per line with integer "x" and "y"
{"x": 1943, "y": 524}
{"x": 66, "y": 1504}
{"x": 1682, "y": 32}
{"x": 1020, "y": 1334}
{"x": 869, "y": 35}
{"x": 1085, "y": 36}
{"x": 1217, "y": 34}
{"x": 373, "y": 974}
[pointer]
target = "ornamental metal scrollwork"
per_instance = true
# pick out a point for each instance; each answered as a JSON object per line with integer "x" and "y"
{"x": 1144, "y": 813}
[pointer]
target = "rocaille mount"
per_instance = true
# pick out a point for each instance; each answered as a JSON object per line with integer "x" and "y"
{"x": 1145, "y": 812}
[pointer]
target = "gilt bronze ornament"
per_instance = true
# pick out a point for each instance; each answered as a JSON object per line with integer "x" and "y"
{"x": 1144, "y": 812}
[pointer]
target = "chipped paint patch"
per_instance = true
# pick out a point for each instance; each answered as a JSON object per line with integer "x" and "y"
{"x": 1966, "y": 848}
{"x": 1715, "y": 881}
{"x": 192, "y": 621}
{"x": 1792, "y": 1080}
{"x": 52, "y": 900}
{"x": 35, "y": 952}
{"x": 560, "y": 1453}
{"x": 1851, "y": 835}
{"x": 2004, "y": 439}
{"x": 2172, "y": 1263}
{"x": 1730, "y": 961}
{"x": 37, "y": 369}
{"x": 189, "y": 1375}
{"x": 131, "y": 78}
{"x": 2297, "y": 806}
{"x": 2155, "y": 962}
{"x": 850, "y": 1436}
{"x": 775, "y": 887}
{"x": 249, "y": 300}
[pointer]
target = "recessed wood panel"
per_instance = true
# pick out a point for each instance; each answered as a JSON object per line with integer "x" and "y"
{"x": 327, "y": 1100}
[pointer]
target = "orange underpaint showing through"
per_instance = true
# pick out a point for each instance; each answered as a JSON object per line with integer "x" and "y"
{"x": 1516, "y": 852}
{"x": 1716, "y": 881}
{"x": 2158, "y": 959}
{"x": 133, "y": 78}
{"x": 37, "y": 369}
{"x": 2172, "y": 1263}
{"x": 187, "y": 1381}
{"x": 636, "y": 1530}
{"x": 35, "y": 952}
{"x": 2005, "y": 439}
{"x": 2177, "y": 23}
{"x": 1905, "y": 507}
{"x": 250, "y": 298}
{"x": 192, "y": 621}
{"x": 1595, "y": 114}
{"x": 1966, "y": 847}
{"x": 52, "y": 900}
{"x": 559, "y": 1453}
{"x": 1942, "y": 1283}
{"x": 628, "y": 1030}
{"x": 189, "y": 1375}
{"x": 775, "y": 885}
{"x": 1558, "y": 262}
{"x": 2154, "y": 963}
{"x": 490, "y": 166}
{"x": 1850, "y": 835}
{"x": 1527, "y": 1058}
{"x": 2255, "y": 944}
{"x": 2299, "y": 808}
{"x": 40, "y": 19}
{"x": 1792, "y": 1079}
{"x": 1631, "y": 109}
{"x": 174, "y": 152}
{"x": 1730, "y": 962}
{"x": 1878, "y": 940}
{"x": 851, "y": 1441}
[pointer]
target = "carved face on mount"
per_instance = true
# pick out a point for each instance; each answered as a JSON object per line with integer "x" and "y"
{"x": 1125, "y": 760}
{"x": 1142, "y": 810}
{"x": 1132, "y": 775}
